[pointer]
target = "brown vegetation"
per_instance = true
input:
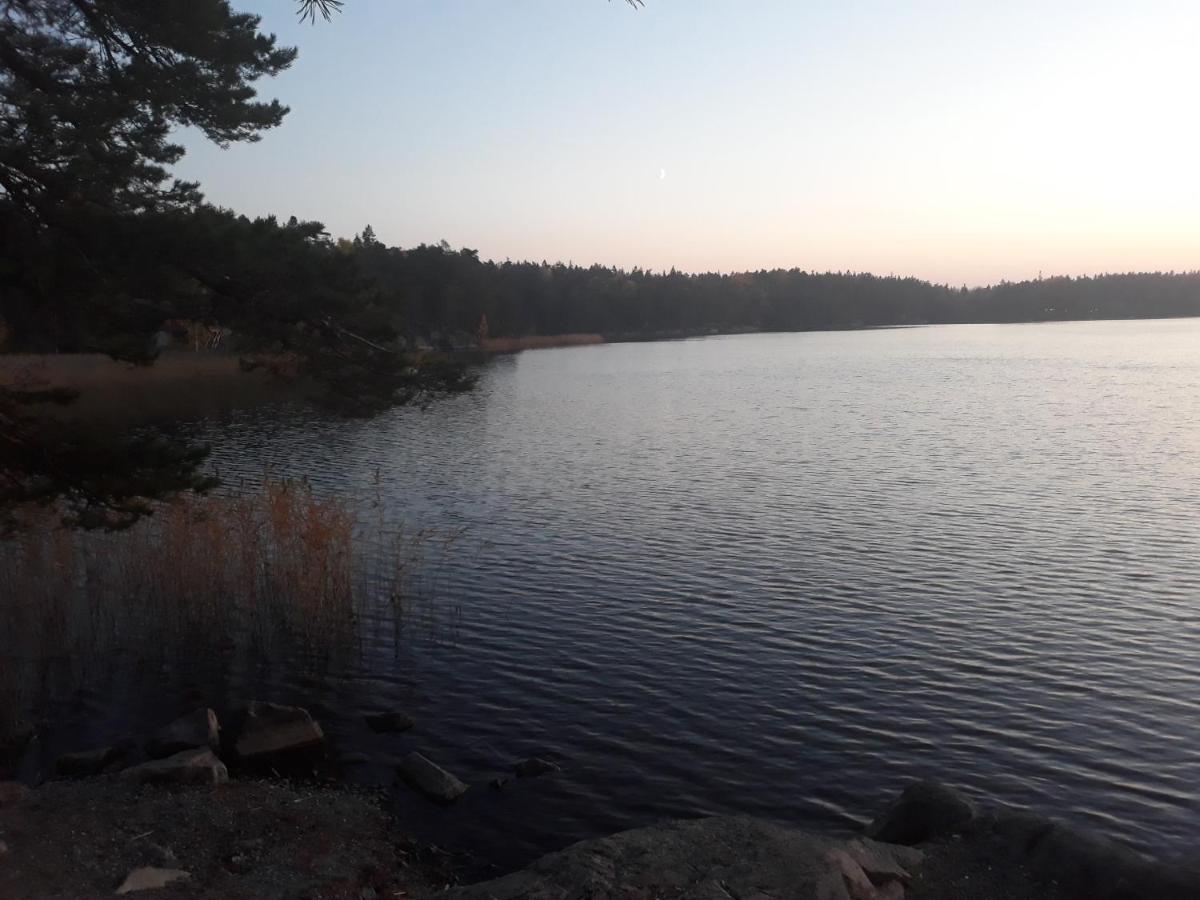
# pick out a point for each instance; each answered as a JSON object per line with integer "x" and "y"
{"x": 233, "y": 574}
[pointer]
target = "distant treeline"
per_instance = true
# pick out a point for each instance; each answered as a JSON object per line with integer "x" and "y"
{"x": 437, "y": 289}
{"x": 283, "y": 285}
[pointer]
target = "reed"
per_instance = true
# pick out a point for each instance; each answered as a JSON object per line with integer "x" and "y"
{"x": 256, "y": 574}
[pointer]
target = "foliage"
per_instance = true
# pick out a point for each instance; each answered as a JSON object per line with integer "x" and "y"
{"x": 434, "y": 289}
{"x": 99, "y": 249}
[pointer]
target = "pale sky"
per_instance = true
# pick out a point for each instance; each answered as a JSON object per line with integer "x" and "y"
{"x": 956, "y": 141}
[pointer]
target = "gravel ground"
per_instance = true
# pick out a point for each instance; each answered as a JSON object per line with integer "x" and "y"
{"x": 244, "y": 839}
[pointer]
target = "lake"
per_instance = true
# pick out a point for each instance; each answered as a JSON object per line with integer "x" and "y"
{"x": 783, "y": 574}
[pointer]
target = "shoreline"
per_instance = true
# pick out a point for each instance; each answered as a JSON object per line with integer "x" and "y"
{"x": 163, "y": 808}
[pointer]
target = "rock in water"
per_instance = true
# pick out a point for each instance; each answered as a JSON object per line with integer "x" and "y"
{"x": 924, "y": 810}
{"x": 149, "y": 878}
{"x": 710, "y": 858}
{"x": 534, "y": 766}
{"x": 388, "y": 722}
{"x": 271, "y": 729}
{"x": 196, "y": 766}
{"x": 199, "y": 728}
{"x": 431, "y": 779}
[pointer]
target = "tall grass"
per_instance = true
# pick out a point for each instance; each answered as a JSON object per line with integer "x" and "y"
{"x": 276, "y": 570}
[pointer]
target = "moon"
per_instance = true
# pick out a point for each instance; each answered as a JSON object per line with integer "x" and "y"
{"x": 662, "y": 173}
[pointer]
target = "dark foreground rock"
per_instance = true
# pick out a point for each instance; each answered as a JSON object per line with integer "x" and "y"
{"x": 923, "y": 811}
{"x": 430, "y": 779}
{"x": 710, "y": 859}
{"x": 199, "y": 728}
{"x": 1055, "y": 859}
{"x": 270, "y": 730}
{"x": 198, "y": 766}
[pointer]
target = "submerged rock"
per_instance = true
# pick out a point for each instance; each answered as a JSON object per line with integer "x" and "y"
{"x": 196, "y": 766}
{"x": 430, "y": 779}
{"x": 923, "y": 811}
{"x": 270, "y": 729}
{"x": 149, "y": 878}
{"x": 389, "y": 722}
{"x": 199, "y": 728}
{"x": 534, "y": 766}
{"x": 715, "y": 858}
{"x": 87, "y": 762}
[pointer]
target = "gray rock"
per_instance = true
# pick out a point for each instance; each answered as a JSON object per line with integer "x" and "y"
{"x": 388, "y": 722}
{"x": 534, "y": 766}
{"x": 923, "y": 811}
{"x": 199, "y": 728}
{"x": 149, "y": 878}
{"x": 12, "y": 793}
{"x": 196, "y": 766}
{"x": 430, "y": 779}
{"x": 87, "y": 762}
{"x": 270, "y": 729}
{"x": 713, "y": 859}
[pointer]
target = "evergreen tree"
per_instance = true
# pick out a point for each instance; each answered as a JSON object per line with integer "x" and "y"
{"x": 102, "y": 245}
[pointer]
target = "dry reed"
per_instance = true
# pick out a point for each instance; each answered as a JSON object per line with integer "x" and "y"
{"x": 270, "y": 571}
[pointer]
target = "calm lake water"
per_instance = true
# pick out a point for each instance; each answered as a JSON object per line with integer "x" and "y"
{"x": 782, "y": 575}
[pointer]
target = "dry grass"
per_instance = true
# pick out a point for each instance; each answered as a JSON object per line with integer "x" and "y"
{"x": 276, "y": 571}
{"x": 177, "y": 383}
{"x": 538, "y": 342}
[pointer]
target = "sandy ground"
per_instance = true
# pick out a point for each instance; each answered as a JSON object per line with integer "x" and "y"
{"x": 244, "y": 839}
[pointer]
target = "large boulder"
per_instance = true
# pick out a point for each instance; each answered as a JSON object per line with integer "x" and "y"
{"x": 87, "y": 762}
{"x": 196, "y": 766}
{"x": 198, "y": 728}
{"x": 430, "y": 779}
{"x": 270, "y": 729}
{"x": 925, "y": 810}
{"x": 715, "y": 858}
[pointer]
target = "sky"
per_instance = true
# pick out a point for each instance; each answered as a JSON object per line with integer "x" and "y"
{"x": 962, "y": 142}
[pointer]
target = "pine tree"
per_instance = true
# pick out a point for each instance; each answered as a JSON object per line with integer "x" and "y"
{"x": 101, "y": 243}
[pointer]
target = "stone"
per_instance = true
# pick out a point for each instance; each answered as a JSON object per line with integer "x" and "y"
{"x": 534, "y": 766}
{"x": 87, "y": 762}
{"x": 149, "y": 878}
{"x": 923, "y": 811}
{"x": 197, "y": 766}
{"x": 389, "y": 722}
{"x": 708, "y": 859}
{"x": 12, "y": 793}
{"x": 431, "y": 779}
{"x": 198, "y": 728}
{"x": 270, "y": 729}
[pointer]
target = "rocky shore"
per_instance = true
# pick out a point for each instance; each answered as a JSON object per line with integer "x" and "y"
{"x": 162, "y": 817}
